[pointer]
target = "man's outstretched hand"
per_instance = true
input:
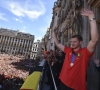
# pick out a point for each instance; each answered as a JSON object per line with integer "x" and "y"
{"x": 88, "y": 13}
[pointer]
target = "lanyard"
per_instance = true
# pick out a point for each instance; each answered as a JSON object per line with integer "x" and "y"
{"x": 73, "y": 57}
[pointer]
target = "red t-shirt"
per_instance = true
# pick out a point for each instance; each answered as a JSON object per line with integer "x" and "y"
{"x": 75, "y": 76}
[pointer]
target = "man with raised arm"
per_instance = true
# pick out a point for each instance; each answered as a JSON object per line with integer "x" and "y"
{"x": 73, "y": 73}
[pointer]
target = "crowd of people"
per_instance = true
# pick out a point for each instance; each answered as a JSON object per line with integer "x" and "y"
{"x": 8, "y": 66}
{"x": 13, "y": 71}
{"x": 54, "y": 59}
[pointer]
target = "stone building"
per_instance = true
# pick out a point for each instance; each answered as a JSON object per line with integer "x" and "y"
{"x": 15, "y": 42}
{"x": 36, "y": 50}
{"x": 47, "y": 39}
{"x": 66, "y": 14}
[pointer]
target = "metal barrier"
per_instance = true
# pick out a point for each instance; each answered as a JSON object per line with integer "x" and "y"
{"x": 53, "y": 78}
{"x": 42, "y": 75}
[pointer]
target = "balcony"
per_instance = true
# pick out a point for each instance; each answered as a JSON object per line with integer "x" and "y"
{"x": 95, "y": 3}
{"x": 78, "y": 4}
{"x": 57, "y": 5}
{"x": 63, "y": 3}
{"x": 98, "y": 21}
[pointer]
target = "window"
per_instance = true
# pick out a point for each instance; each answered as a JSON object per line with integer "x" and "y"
{"x": 16, "y": 39}
{"x": 34, "y": 56}
{"x": 56, "y": 14}
{"x": 51, "y": 44}
{"x": 21, "y": 40}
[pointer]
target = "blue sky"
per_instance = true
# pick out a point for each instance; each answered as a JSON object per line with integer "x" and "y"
{"x": 28, "y": 16}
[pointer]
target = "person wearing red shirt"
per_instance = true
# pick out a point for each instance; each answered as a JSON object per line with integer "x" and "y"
{"x": 73, "y": 73}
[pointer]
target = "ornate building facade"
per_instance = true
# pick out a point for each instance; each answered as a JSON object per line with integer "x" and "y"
{"x": 36, "y": 50}
{"x": 15, "y": 42}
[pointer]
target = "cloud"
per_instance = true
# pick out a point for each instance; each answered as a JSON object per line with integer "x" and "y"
{"x": 2, "y": 17}
{"x": 18, "y": 20}
{"x": 29, "y": 8}
{"x": 24, "y": 27}
{"x": 37, "y": 38}
{"x": 23, "y": 31}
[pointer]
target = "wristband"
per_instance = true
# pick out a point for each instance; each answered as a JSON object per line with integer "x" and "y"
{"x": 92, "y": 19}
